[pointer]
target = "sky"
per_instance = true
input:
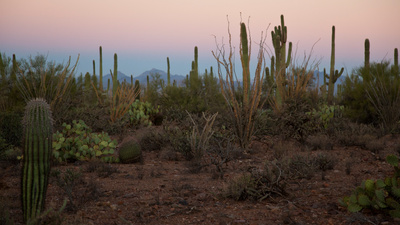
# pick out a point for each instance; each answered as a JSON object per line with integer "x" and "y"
{"x": 145, "y": 33}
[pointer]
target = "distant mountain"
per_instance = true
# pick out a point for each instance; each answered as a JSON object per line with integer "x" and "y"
{"x": 142, "y": 77}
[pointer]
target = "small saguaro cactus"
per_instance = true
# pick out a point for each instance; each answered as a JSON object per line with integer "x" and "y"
{"x": 334, "y": 74}
{"x": 38, "y": 131}
{"x": 101, "y": 70}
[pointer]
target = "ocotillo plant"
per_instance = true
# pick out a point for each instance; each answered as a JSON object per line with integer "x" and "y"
{"x": 279, "y": 39}
{"x": 243, "y": 111}
{"x": 168, "y": 73}
{"x": 37, "y": 151}
{"x": 334, "y": 74}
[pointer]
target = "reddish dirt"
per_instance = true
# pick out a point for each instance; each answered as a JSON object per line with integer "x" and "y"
{"x": 164, "y": 191}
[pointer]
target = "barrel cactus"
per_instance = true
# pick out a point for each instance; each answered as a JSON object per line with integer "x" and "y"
{"x": 38, "y": 129}
{"x": 130, "y": 152}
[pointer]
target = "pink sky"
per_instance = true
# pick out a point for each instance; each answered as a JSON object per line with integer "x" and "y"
{"x": 144, "y": 33}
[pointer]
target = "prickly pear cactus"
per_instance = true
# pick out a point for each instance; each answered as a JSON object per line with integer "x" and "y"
{"x": 36, "y": 158}
{"x": 130, "y": 152}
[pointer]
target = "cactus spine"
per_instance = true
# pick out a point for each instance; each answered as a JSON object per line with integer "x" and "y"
{"x": 334, "y": 74}
{"x": 37, "y": 150}
{"x": 279, "y": 39}
{"x": 168, "y": 73}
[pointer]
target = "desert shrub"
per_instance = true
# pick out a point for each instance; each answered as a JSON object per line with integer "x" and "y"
{"x": 320, "y": 141}
{"x": 324, "y": 161}
{"x": 152, "y": 140}
{"x": 259, "y": 184}
{"x": 77, "y": 190}
{"x": 372, "y": 95}
{"x": 178, "y": 138}
{"x": 11, "y": 127}
{"x": 353, "y": 134}
{"x": 77, "y": 142}
{"x": 102, "y": 169}
{"x": 293, "y": 121}
{"x": 375, "y": 145}
{"x": 377, "y": 195}
{"x": 300, "y": 166}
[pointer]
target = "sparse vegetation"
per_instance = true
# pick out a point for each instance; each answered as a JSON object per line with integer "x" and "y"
{"x": 190, "y": 151}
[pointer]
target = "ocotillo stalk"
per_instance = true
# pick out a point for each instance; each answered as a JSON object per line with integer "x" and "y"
{"x": 37, "y": 150}
{"x": 168, "y": 73}
{"x": 334, "y": 74}
{"x": 101, "y": 70}
{"x": 366, "y": 60}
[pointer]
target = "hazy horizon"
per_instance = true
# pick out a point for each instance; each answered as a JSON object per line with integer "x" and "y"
{"x": 145, "y": 33}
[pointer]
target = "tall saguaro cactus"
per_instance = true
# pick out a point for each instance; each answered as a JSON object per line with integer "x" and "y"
{"x": 101, "y": 70}
{"x": 168, "y": 73}
{"x": 245, "y": 58}
{"x": 334, "y": 74}
{"x": 115, "y": 75}
{"x": 37, "y": 150}
{"x": 396, "y": 62}
{"x": 366, "y": 60}
{"x": 279, "y": 39}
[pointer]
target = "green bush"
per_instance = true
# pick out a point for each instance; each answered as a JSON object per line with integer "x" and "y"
{"x": 381, "y": 195}
{"x": 77, "y": 142}
{"x": 11, "y": 127}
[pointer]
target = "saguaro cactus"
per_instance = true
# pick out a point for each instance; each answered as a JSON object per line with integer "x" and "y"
{"x": 279, "y": 39}
{"x": 334, "y": 74}
{"x": 168, "y": 73}
{"x": 37, "y": 150}
{"x": 366, "y": 60}
{"x": 396, "y": 62}
{"x": 245, "y": 57}
{"x": 115, "y": 75}
{"x": 101, "y": 70}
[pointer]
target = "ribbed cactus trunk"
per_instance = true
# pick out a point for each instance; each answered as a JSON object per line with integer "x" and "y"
{"x": 168, "y": 73}
{"x": 115, "y": 75}
{"x": 366, "y": 60}
{"x": 334, "y": 74}
{"x": 396, "y": 62}
{"x": 245, "y": 58}
{"x": 37, "y": 151}
{"x": 101, "y": 70}
{"x": 279, "y": 39}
